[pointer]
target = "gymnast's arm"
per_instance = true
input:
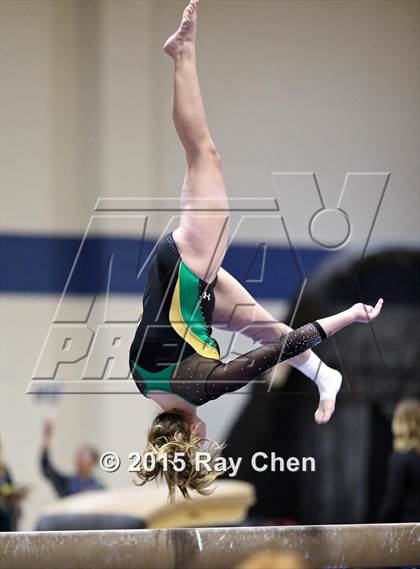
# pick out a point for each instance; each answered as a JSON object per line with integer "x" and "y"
{"x": 237, "y": 311}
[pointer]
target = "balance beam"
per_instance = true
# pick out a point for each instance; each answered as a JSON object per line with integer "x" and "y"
{"x": 376, "y": 545}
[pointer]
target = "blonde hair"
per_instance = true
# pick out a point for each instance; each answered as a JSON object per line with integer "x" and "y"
{"x": 272, "y": 559}
{"x": 170, "y": 433}
{"x": 406, "y": 425}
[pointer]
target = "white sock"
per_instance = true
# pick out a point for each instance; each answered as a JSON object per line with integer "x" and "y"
{"x": 327, "y": 379}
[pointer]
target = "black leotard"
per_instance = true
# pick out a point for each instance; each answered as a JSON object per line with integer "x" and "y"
{"x": 173, "y": 350}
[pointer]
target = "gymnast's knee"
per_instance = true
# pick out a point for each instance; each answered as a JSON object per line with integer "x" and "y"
{"x": 213, "y": 153}
{"x": 204, "y": 151}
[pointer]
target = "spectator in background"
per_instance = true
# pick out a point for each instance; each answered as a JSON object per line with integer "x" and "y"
{"x": 10, "y": 500}
{"x": 401, "y": 502}
{"x": 86, "y": 460}
{"x": 7, "y": 518}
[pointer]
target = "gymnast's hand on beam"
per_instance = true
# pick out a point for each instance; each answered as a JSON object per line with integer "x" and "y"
{"x": 365, "y": 313}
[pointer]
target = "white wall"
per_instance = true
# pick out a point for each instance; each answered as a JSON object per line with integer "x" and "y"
{"x": 323, "y": 86}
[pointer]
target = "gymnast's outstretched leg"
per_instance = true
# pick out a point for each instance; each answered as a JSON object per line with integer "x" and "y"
{"x": 202, "y": 235}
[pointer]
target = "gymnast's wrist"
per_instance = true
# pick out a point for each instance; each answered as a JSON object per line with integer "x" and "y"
{"x": 351, "y": 315}
{"x": 321, "y": 330}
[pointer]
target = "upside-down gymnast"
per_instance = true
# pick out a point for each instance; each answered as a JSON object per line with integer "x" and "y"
{"x": 173, "y": 358}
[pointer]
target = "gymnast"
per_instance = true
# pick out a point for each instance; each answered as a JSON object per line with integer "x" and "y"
{"x": 174, "y": 359}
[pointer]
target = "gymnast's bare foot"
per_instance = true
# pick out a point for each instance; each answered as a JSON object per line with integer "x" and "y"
{"x": 185, "y": 35}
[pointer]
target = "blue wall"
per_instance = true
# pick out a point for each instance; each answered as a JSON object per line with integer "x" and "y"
{"x": 41, "y": 264}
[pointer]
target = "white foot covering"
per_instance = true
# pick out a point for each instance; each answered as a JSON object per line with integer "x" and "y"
{"x": 328, "y": 381}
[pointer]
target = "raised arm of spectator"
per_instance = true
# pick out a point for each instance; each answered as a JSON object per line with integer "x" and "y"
{"x": 57, "y": 479}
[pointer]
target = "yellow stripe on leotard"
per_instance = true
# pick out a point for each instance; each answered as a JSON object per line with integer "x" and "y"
{"x": 184, "y": 313}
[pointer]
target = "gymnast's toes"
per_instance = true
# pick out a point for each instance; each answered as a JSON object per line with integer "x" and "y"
{"x": 185, "y": 33}
{"x": 325, "y": 410}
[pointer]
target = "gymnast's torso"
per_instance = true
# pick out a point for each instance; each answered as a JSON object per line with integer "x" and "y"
{"x": 174, "y": 356}
{"x": 176, "y": 322}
